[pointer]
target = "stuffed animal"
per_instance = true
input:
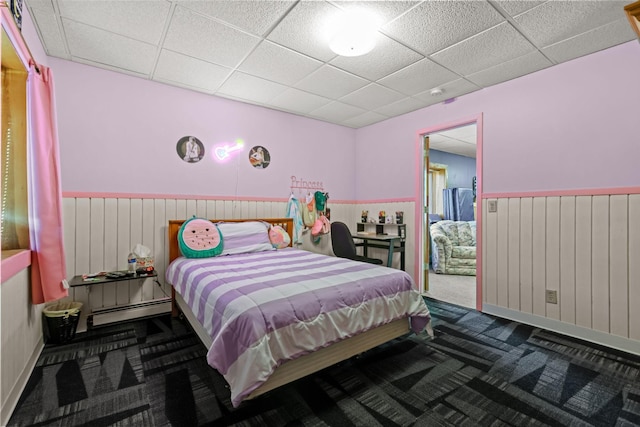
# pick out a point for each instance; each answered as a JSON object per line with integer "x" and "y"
{"x": 278, "y": 237}
{"x": 199, "y": 238}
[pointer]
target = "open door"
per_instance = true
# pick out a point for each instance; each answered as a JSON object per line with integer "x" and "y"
{"x": 425, "y": 220}
{"x": 464, "y": 138}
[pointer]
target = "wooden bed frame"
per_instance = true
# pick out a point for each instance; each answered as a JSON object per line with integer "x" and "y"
{"x": 294, "y": 369}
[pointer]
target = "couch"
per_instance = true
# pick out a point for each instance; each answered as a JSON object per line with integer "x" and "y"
{"x": 453, "y": 246}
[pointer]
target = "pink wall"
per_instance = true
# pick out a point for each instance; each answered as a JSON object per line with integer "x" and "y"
{"x": 567, "y": 127}
{"x": 571, "y": 126}
{"x": 118, "y": 134}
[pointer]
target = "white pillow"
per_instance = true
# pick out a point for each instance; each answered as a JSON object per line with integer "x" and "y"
{"x": 244, "y": 237}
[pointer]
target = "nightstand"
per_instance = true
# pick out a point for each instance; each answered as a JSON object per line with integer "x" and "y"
{"x": 78, "y": 281}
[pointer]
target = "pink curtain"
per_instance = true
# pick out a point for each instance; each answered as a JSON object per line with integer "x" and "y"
{"x": 48, "y": 268}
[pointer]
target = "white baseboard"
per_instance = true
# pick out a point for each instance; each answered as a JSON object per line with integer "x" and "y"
{"x": 596, "y": 337}
{"x": 9, "y": 404}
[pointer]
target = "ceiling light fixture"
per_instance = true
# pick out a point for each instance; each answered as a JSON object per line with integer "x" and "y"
{"x": 355, "y": 34}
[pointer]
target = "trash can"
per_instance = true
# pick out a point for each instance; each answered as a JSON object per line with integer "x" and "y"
{"x": 62, "y": 320}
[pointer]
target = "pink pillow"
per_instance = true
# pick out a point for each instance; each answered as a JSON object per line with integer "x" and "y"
{"x": 279, "y": 237}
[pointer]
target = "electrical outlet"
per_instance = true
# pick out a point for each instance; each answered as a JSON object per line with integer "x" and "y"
{"x": 552, "y": 296}
{"x": 492, "y": 205}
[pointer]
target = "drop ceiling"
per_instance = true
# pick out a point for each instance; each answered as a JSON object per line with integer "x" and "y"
{"x": 275, "y": 53}
{"x": 460, "y": 140}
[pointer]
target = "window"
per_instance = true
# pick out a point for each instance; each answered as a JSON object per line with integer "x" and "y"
{"x": 14, "y": 208}
{"x": 437, "y": 183}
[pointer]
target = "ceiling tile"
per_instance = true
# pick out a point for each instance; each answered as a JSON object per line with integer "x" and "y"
{"x": 448, "y": 145}
{"x": 220, "y": 47}
{"x": 449, "y": 91}
{"x": 140, "y": 20}
{"x": 418, "y": 77}
{"x": 518, "y": 67}
{"x": 372, "y": 96}
{"x": 50, "y": 32}
{"x": 337, "y": 112}
{"x": 101, "y": 46}
{"x": 434, "y": 25}
{"x": 110, "y": 68}
{"x": 466, "y": 133}
{"x": 42, "y": 5}
{"x": 554, "y": 21}
{"x": 250, "y": 88}
{"x": 485, "y": 50}
{"x": 256, "y": 17}
{"x": 307, "y": 29}
{"x": 278, "y": 64}
{"x": 298, "y": 101}
{"x": 192, "y": 72}
{"x": 385, "y": 10}
{"x": 515, "y": 7}
{"x": 592, "y": 41}
{"x": 403, "y": 106}
{"x": 388, "y": 56}
{"x": 331, "y": 82}
{"x": 188, "y": 29}
{"x": 365, "y": 119}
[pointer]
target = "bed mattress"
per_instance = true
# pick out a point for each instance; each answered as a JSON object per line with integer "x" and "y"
{"x": 262, "y": 309}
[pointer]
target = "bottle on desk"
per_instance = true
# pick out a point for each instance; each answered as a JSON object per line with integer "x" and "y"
{"x": 131, "y": 262}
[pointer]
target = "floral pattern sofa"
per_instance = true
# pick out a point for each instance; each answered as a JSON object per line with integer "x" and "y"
{"x": 454, "y": 247}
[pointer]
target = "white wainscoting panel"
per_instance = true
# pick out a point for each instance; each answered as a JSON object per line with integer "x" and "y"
{"x": 99, "y": 234}
{"x": 567, "y": 285}
{"x": 525, "y": 266}
{"x": 634, "y": 267}
{"x": 583, "y": 291}
{"x": 586, "y": 248}
{"x": 21, "y": 339}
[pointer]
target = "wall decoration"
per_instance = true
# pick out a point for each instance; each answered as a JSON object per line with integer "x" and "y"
{"x": 259, "y": 157}
{"x": 223, "y": 152}
{"x": 190, "y": 149}
{"x": 305, "y": 185}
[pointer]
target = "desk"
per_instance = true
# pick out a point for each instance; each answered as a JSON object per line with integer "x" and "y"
{"x": 382, "y": 241}
{"x": 79, "y": 281}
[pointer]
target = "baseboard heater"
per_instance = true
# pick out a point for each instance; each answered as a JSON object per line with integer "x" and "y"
{"x": 102, "y": 316}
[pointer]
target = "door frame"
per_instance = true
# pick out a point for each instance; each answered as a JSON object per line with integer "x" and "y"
{"x": 420, "y": 202}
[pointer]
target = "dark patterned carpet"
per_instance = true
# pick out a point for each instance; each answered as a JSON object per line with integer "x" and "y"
{"x": 478, "y": 371}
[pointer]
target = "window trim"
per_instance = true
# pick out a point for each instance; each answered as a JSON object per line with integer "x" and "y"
{"x": 14, "y": 261}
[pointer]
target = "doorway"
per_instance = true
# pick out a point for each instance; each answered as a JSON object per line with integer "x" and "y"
{"x": 451, "y": 157}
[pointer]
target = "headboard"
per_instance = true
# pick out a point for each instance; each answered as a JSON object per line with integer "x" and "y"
{"x": 175, "y": 224}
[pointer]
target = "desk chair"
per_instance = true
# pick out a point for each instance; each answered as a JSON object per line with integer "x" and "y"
{"x": 343, "y": 246}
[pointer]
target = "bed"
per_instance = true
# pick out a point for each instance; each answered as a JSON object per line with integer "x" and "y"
{"x": 288, "y": 312}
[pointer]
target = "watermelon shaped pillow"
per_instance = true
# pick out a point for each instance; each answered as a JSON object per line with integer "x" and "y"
{"x": 199, "y": 238}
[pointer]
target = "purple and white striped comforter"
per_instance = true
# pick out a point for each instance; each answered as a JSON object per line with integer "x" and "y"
{"x": 264, "y": 308}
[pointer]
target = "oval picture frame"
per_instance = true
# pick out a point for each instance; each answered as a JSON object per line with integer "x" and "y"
{"x": 190, "y": 149}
